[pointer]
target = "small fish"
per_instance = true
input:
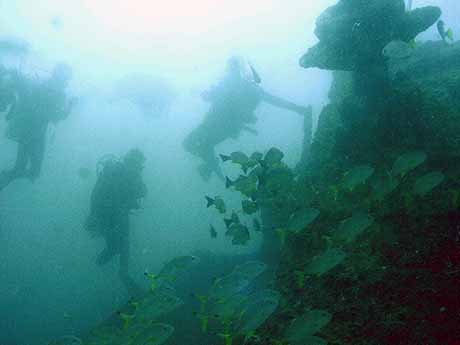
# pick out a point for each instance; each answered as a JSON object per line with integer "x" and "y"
{"x": 234, "y": 219}
{"x": 273, "y": 157}
{"x": 153, "y": 334}
{"x": 212, "y": 231}
{"x": 428, "y": 182}
{"x": 177, "y": 264}
{"x": 445, "y": 34}
{"x": 257, "y": 312}
{"x": 301, "y": 219}
{"x": 247, "y": 185}
{"x": 153, "y": 280}
{"x": 407, "y": 162}
{"x": 227, "y": 286}
{"x": 126, "y": 318}
{"x": 217, "y": 202}
{"x": 236, "y": 157}
{"x": 249, "y": 207}
{"x": 352, "y": 227}
{"x": 156, "y": 304}
{"x": 257, "y": 156}
{"x": 357, "y": 176}
{"x": 239, "y": 158}
{"x": 324, "y": 262}
{"x": 240, "y": 234}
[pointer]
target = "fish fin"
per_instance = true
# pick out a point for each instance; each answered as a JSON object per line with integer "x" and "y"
{"x": 450, "y": 34}
{"x": 225, "y": 158}
{"x": 228, "y": 222}
{"x": 228, "y": 182}
{"x": 210, "y": 201}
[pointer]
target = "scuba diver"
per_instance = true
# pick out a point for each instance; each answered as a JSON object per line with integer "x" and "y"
{"x": 32, "y": 107}
{"x": 233, "y": 102}
{"x": 118, "y": 191}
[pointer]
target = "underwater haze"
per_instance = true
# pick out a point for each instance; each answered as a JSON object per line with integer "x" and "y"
{"x": 148, "y": 75}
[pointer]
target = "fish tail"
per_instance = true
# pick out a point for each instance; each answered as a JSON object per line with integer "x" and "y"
{"x": 210, "y": 201}
{"x": 228, "y": 222}
{"x": 225, "y": 158}
{"x": 228, "y": 182}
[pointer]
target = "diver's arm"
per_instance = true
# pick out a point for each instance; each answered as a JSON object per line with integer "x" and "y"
{"x": 283, "y": 104}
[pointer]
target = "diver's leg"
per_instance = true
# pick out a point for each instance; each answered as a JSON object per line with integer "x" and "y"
{"x": 211, "y": 165}
{"x": 133, "y": 289}
{"x": 22, "y": 157}
{"x": 19, "y": 169}
{"x": 111, "y": 241}
{"x": 37, "y": 153}
{"x": 124, "y": 243}
{"x": 106, "y": 255}
{"x": 192, "y": 142}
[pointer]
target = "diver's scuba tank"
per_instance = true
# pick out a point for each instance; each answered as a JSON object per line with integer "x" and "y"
{"x": 105, "y": 161}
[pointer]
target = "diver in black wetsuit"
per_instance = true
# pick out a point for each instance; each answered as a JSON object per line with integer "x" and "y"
{"x": 118, "y": 191}
{"x": 33, "y": 106}
{"x": 233, "y": 102}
